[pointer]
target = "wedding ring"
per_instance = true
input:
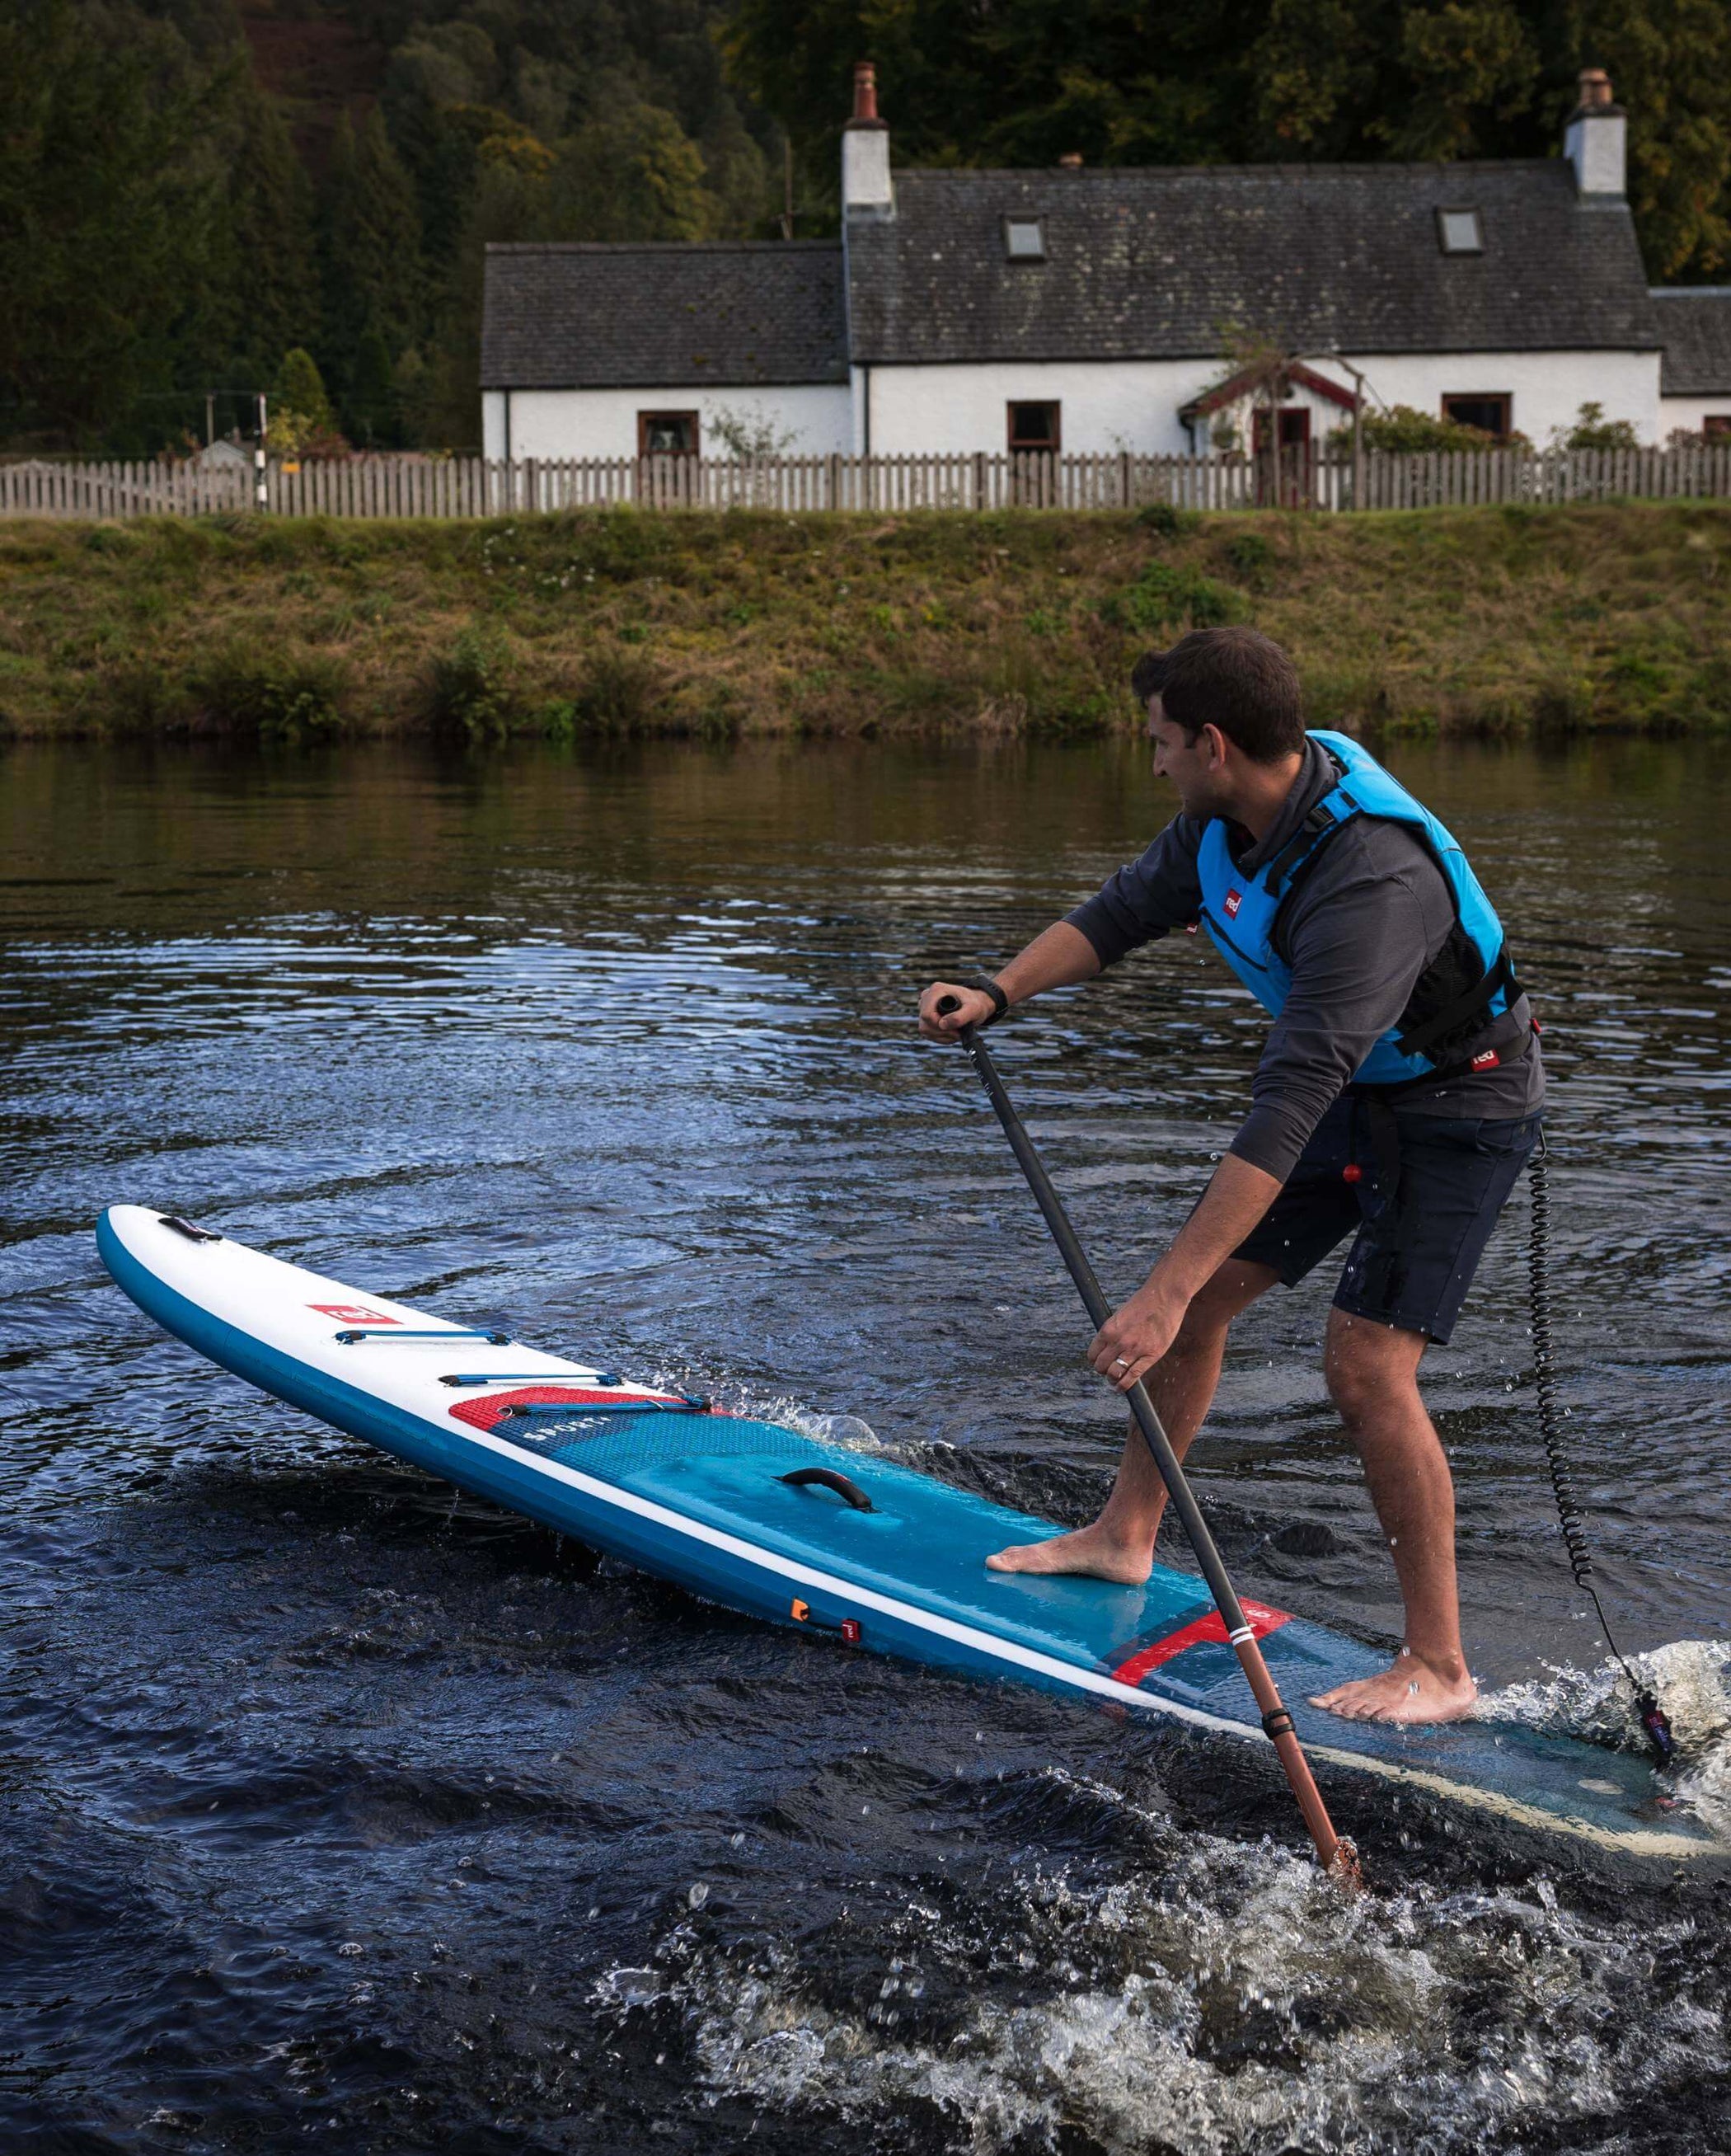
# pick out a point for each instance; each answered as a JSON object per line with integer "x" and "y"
{"x": 1120, "y": 1362}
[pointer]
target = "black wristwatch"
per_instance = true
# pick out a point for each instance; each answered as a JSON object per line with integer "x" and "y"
{"x": 1000, "y": 1001}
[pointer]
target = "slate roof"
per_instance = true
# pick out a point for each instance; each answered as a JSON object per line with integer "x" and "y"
{"x": 1695, "y": 323}
{"x": 1148, "y": 263}
{"x": 566, "y": 316}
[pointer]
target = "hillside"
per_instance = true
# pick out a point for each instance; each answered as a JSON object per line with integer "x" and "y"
{"x": 1509, "y": 621}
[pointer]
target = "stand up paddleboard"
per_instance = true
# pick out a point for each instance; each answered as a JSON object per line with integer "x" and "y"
{"x": 783, "y": 1526}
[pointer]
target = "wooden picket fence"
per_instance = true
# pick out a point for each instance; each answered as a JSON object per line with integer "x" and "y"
{"x": 414, "y": 486}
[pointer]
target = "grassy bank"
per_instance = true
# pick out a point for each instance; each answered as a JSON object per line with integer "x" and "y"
{"x": 1504, "y": 620}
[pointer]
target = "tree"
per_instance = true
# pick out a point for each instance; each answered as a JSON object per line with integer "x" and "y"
{"x": 371, "y": 238}
{"x": 272, "y": 263}
{"x": 631, "y": 173}
{"x": 372, "y": 395}
{"x": 300, "y": 388}
{"x": 108, "y": 195}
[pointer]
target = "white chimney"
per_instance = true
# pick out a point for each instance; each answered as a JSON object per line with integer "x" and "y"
{"x": 1596, "y": 143}
{"x": 866, "y": 188}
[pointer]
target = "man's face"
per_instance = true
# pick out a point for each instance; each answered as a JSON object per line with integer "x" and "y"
{"x": 1195, "y": 767}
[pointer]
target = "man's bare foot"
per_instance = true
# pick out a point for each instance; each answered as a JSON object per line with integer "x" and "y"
{"x": 1089, "y": 1552}
{"x": 1410, "y": 1691}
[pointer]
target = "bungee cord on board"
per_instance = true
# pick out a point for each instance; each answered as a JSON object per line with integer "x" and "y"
{"x": 1569, "y": 1514}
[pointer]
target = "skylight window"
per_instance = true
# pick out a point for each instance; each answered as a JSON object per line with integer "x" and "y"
{"x": 1024, "y": 239}
{"x": 1457, "y": 229}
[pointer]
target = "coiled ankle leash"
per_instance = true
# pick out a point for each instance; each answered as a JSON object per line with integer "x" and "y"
{"x": 1653, "y": 1717}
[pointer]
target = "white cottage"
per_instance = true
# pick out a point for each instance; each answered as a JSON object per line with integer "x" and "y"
{"x": 1085, "y": 310}
{"x": 1695, "y": 381}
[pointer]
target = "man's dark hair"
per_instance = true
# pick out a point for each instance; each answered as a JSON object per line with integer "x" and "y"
{"x": 1235, "y": 678}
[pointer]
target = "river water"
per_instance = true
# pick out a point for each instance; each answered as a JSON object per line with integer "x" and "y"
{"x": 341, "y": 1813}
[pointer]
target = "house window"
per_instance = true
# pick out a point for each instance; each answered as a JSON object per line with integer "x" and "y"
{"x": 1716, "y": 426}
{"x": 1457, "y": 232}
{"x": 667, "y": 434}
{"x": 1035, "y": 426}
{"x": 1294, "y": 428}
{"x": 1024, "y": 239}
{"x": 1489, "y": 413}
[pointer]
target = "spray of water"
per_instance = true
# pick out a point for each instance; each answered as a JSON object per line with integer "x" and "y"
{"x": 1232, "y": 2005}
{"x": 1689, "y": 1678}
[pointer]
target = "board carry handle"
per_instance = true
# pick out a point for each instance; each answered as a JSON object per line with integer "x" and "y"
{"x": 605, "y": 1377}
{"x": 524, "y": 1411}
{"x": 353, "y": 1335}
{"x": 1336, "y": 1854}
{"x": 190, "y": 1229}
{"x": 828, "y": 1478}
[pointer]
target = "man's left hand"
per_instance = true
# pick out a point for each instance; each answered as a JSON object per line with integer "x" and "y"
{"x": 1137, "y": 1334}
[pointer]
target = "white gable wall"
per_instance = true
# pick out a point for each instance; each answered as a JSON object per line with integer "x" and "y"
{"x": 1549, "y": 388}
{"x": 1690, "y": 412}
{"x": 941, "y": 411}
{"x": 604, "y": 423}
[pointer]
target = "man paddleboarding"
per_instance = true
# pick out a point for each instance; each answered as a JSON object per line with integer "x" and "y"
{"x": 1397, "y": 1099}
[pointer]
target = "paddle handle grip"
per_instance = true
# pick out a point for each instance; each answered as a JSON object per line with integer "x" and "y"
{"x": 1335, "y": 1855}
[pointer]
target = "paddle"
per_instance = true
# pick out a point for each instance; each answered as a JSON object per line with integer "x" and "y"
{"x": 1336, "y": 1854}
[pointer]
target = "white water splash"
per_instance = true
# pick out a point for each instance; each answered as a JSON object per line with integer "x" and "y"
{"x": 1252, "y": 2009}
{"x": 851, "y": 1431}
{"x": 1688, "y": 1677}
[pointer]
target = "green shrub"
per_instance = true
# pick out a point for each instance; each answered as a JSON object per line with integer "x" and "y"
{"x": 468, "y": 688}
{"x": 621, "y": 692}
{"x": 1592, "y": 430}
{"x": 1161, "y": 518}
{"x": 1403, "y": 428}
{"x": 272, "y": 695}
{"x": 138, "y": 696}
{"x": 1252, "y": 555}
{"x": 109, "y": 539}
{"x": 1167, "y": 594}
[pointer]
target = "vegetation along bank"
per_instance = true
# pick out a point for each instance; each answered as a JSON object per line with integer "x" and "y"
{"x": 1506, "y": 620}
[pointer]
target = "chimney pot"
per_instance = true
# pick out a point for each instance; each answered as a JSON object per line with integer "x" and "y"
{"x": 1071, "y": 161}
{"x": 867, "y": 188}
{"x": 1596, "y": 140}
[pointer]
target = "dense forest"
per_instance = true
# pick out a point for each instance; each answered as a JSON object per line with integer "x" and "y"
{"x": 204, "y": 199}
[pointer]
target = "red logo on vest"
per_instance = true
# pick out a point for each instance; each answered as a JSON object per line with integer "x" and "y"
{"x": 1487, "y": 1061}
{"x": 1235, "y": 899}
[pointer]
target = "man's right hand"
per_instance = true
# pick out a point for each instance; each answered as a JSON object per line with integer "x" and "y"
{"x": 973, "y": 1007}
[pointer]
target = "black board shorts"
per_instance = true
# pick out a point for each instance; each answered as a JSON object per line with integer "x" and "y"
{"x": 1412, "y": 1260}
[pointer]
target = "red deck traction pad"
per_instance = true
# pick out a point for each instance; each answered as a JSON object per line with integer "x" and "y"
{"x": 488, "y": 1412}
{"x": 1209, "y": 1630}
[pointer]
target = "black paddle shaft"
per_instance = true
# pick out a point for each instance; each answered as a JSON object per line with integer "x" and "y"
{"x": 1147, "y": 1415}
{"x": 1338, "y": 1856}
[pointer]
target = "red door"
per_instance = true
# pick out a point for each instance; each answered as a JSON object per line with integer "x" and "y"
{"x": 1282, "y": 459}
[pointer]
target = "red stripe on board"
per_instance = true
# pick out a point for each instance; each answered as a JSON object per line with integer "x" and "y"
{"x": 486, "y": 1413}
{"x": 1209, "y": 1630}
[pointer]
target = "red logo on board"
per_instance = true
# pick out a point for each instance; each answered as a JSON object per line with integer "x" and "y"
{"x": 1235, "y": 899}
{"x": 352, "y": 1313}
{"x": 1487, "y": 1061}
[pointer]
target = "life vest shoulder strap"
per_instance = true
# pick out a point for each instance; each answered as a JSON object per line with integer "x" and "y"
{"x": 1296, "y": 853}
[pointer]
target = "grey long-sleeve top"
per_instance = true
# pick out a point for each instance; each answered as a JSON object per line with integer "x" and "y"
{"x": 1360, "y": 930}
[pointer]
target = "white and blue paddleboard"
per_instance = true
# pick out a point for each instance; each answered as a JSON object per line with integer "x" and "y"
{"x": 783, "y": 1526}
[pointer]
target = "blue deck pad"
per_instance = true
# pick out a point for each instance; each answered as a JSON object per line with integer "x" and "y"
{"x": 925, "y": 1539}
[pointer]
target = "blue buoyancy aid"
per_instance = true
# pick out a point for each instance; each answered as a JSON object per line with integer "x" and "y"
{"x": 1458, "y": 999}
